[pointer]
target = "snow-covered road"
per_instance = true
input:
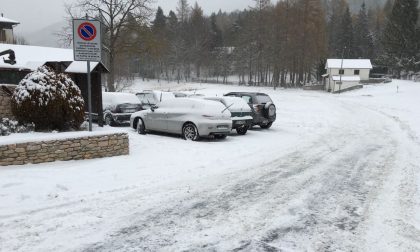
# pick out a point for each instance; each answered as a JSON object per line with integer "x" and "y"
{"x": 335, "y": 173}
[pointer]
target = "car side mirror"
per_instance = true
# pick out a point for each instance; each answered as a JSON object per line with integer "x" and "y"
{"x": 153, "y": 108}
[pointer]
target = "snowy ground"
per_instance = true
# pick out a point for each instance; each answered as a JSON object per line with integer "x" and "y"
{"x": 335, "y": 173}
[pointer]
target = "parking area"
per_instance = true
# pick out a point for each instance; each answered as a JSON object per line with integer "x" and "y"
{"x": 332, "y": 172}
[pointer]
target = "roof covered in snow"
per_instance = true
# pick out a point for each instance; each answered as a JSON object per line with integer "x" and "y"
{"x": 346, "y": 78}
{"x": 7, "y": 20}
{"x": 80, "y": 67}
{"x": 349, "y": 64}
{"x": 32, "y": 57}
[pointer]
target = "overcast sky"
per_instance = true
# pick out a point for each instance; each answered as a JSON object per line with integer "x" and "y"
{"x": 37, "y": 14}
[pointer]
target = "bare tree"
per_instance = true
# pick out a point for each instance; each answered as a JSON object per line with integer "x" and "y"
{"x": 114, "y": 14}
{"x": 65, "y": 36}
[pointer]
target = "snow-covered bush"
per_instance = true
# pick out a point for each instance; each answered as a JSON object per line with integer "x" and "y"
{"x": 49, "y": 100}
{"x": 8, "y": 126}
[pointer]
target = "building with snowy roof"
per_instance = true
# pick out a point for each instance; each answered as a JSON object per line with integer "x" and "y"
{"x": 346, "y": 74}
{"x": 6, "y": 29}
{"x": 29, "y": 58}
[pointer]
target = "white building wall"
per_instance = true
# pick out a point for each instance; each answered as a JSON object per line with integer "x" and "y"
{"x": 364, "y": 73}
{"x": 331, "y": 85}
{"x": 344, "y": 86}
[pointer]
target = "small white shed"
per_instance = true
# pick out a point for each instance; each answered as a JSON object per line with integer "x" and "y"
{"x": 346, "y": 74}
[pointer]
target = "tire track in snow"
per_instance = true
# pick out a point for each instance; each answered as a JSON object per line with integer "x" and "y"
{"x": 400, "y": 197}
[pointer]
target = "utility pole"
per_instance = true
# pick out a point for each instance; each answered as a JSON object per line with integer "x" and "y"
{"x": 341, "y": 70}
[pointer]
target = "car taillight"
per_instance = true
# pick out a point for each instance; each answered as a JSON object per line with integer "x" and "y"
{"x": 257, "y": 108}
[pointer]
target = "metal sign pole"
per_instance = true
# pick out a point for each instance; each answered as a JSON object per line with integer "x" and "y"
{"x": 89, "y": 89}
{"x": 89, "y": 95}
{"x": 87, "y": 47}
{"x": 341, "y": 69}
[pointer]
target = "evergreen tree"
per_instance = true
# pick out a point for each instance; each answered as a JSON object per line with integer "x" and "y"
{"x": 199, "y": 38}
{"x": 389, "y": 4}
{"x": 161, "y": 47}
{"x": 345, "y": 39}
{"x": 159, "y": 24}
{"x": 216, "y": 36}
{"x": 336, "y": 10}
{"x": 400, "y": 40}
{"x": 377, "y": 27}
{"x": 172, "y": 24}
{"x": 362, "y": 36}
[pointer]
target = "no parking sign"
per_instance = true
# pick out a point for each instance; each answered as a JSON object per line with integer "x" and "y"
{"x": 87, "y": 40}
{"x": 87, "y": 46}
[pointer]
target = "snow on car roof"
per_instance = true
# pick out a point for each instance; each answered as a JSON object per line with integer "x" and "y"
{"x": 164, "y": 95}
{"x": 193, "y": 103}
{"x": 119, "y": 98}
{"x": 349, "y": 63}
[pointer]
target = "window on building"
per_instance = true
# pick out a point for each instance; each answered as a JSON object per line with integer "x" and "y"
{"x": 341, "y": 71}
{"x": 356, "y": 72}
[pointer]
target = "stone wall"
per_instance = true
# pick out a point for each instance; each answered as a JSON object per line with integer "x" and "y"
{"x": 64, "y": 150}
{"x": 5, "y": 109}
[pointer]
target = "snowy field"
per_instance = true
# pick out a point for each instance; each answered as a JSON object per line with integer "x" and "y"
{"x": 334, "y": 173}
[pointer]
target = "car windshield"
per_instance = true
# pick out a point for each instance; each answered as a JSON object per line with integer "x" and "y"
{"x": 263, "y": 99}
{"x": 247, "y": 98}
{"x": 148, "y": 98}
{"x": 236, "y": 104}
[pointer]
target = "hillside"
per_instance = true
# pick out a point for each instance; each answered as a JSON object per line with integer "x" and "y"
{"x": 45, "y": 36}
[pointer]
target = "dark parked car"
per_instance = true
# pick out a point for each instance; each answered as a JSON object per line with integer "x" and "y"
{"x": 263, "y": 108}
{"x": 118, "y": 107}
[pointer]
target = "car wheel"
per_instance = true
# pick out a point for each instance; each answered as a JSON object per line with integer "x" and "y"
{"x": 242, "y": 130}
{"x": 266, "y": 126}
{"x": 141, "y": 129}
{"x": 190, "y": 132}
{"x": 109, "y": 121}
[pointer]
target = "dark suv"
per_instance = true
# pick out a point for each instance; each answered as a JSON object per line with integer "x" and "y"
{"x": 263, "y": 108}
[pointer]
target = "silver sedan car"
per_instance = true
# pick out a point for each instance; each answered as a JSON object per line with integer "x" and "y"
{"x": 189, "y": 117}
